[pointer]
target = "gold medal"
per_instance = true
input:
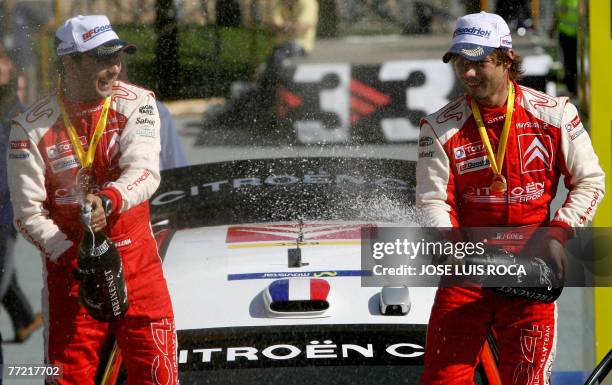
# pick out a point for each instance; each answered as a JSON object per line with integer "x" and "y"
{"x": 85, "y": 180}
{"x": 85, "y": 177}
{"x": 499, "y": 184}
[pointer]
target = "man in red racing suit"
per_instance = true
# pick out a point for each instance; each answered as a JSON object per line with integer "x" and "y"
{"x": 43, "y": 165}
{"x": 456, "y": 188}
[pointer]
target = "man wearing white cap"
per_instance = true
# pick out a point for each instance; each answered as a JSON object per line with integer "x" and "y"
{"x": 94, "y": 140}
{"x": 493, "y": 158}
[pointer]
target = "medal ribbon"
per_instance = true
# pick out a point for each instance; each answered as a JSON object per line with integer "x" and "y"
{"x": 86, "y": 159}
{"x": 497, "y": 162}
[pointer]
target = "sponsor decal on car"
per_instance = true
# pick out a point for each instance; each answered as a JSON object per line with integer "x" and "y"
{"x": 280, "y": 180}
{"x": 300, "y": 274}
{"x": 293, "y": 351}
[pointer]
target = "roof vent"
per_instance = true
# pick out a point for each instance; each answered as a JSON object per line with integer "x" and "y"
{"x": 394, "y": 301}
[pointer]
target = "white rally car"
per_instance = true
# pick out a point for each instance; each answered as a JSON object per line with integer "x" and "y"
{"x": 263, "y": 263}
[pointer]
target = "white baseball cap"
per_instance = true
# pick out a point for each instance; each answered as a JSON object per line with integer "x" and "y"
{"x": 93, "y": 34}
{"x": 476, "y": 35}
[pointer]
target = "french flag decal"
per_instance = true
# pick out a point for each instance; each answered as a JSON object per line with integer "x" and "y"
{"x": 299, "y": 290}
{"x": 298, "y": 295}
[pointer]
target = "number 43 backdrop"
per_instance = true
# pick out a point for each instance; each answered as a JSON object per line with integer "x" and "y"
{"x": 344, "y": 103}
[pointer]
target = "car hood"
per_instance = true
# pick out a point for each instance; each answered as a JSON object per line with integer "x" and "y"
{"x": 217, "y": 275}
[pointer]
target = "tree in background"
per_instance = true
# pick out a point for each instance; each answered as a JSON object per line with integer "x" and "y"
{"x": 328, "y": 19}
{"x": 167, "y": 64}
{"x": 228, "y": 13}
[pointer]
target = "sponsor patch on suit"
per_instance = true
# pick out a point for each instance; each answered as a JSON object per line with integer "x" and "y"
{"x": 469, "y": 150}
{"x": 64, "y": 164}
{"x": 471, "y": 165}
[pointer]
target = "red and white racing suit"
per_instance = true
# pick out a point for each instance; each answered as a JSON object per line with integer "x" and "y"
{"x": 42, "y": 169}
{"x": 546, "y": 140}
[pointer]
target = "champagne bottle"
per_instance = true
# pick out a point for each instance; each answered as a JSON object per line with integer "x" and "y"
{"x": 102, "y": 290}
{"x": 538, "y": 283}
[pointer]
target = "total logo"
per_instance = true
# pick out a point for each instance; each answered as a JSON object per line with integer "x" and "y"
{"x": 62, "y": 148}
{"x": 536, "y": 152}
{"x": 469, "y": 150}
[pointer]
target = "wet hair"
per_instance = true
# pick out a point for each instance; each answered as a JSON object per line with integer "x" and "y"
{"x": 516, "y": 71}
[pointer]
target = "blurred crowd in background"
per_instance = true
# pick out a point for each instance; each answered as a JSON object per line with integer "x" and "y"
{"x": 225, "y": 40}
{"x": 412, "y": 15}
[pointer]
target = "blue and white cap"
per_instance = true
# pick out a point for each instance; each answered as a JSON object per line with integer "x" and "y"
{"x": 93, "y": 34}
{"x": 476, "y": 35}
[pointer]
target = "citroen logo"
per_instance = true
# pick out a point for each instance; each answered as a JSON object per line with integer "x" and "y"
{"x": 536, "y": 150}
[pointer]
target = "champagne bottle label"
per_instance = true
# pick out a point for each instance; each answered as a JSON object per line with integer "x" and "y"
{"x": 100, "y": 249}
{"x": 102, "y": 291}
